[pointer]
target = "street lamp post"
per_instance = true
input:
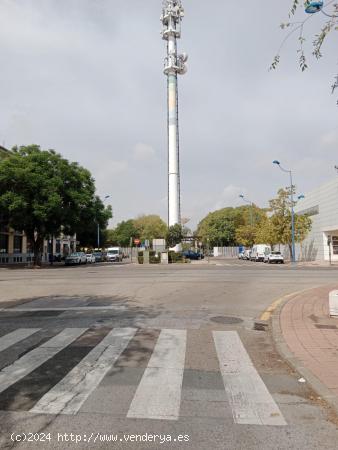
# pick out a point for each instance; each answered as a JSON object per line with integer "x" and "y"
{"x": 292, "y": 209}
{"x": 251, "y": 209}
{"x": 98, "y": 226}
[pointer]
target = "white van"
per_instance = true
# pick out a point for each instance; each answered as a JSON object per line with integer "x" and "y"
{"x": 114, "y": 254}
{"x": 259, "y": 251}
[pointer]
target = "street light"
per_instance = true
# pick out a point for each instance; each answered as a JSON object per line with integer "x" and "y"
{"x": 301, "y": 196}
{"x": 313, "y": 7}
{"x": 292, "y": 209}
{"x": 98, "y": 225}
{"x": 251, "y": 209}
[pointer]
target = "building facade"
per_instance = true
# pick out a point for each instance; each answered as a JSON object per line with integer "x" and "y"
{"x": 321, "y": 205}
{"x": 15, "y": 248}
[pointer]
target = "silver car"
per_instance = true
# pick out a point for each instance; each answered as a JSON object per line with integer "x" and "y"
{"x": 274, "y": 257}
{"x": 90, "y": 258}
{"x": 76, "y": 258}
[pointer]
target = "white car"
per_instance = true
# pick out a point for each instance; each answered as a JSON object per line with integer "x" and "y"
{"x": 274, "y": 257}
{"x": 90, "y": 258}
{"x": 76, "y": 258}
{"x": 114, "y": 254}
{"x": 241, "y": 254}
{"x": 259, "y": 251}
{"x": 247, "y": 254}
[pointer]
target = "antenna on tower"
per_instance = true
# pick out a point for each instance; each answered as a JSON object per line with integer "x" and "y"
{"x": 174, "y": 64}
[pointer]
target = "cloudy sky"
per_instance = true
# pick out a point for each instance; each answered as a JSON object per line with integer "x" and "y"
{"x": 84, "y": 77}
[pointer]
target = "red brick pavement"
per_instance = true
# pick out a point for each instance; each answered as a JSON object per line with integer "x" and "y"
{"x": 311, "y": 335}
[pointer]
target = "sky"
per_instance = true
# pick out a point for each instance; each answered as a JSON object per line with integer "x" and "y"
{"x": 84, "y": 77}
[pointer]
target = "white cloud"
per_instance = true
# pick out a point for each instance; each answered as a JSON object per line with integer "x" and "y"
{"x": 143, "y": 152}
{"x": 330, "y": 138}
{"x": 229, "y": 196}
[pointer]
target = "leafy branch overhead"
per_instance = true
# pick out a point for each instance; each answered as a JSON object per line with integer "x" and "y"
{"x": 297, "y": 27}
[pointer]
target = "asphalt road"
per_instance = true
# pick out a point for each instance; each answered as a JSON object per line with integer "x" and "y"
{"x": 142, "y": 356}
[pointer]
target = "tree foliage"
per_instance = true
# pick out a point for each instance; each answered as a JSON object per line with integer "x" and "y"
{"x": 44, "y": 194}
{"x": 278, "y": 229}
{"x": 96, "y": 215}
{"x": 220, "y": 227}
{"x": 174, "y": 235}
{"x": 150, "y": 227}
{"x": 246, "y": 235}
{"x": 122, "y": 234}
{"x": 296, "y": 28}
{"x": 246, "y": 226}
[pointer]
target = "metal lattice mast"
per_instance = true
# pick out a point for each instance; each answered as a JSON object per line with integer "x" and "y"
{"x": 174, "y": 64}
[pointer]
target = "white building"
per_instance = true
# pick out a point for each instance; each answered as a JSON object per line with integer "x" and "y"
{"x": 321, "y": 205}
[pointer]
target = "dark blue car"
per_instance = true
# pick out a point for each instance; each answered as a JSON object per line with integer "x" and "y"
{"x": 190, "y": 254}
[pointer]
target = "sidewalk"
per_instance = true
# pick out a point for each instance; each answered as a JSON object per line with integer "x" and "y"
{"x": 308, "y": 338}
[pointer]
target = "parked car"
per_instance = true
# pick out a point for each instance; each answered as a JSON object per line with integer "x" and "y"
{"x": 98, "y": 256}
{"x": 259, "y": 251}
{"x": 90, "y": 258}
{"x": 114, "y": 254}
{"x": 191, "y": 254}
{"x": 247, "y": 254}
{"x": 274, "y": 257}
{"x": 76, "y": 258}
{"x": 56, "y": 257}
{"x": 241, "y": 254}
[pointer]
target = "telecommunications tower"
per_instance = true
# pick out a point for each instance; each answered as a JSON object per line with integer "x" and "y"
{"x": 174, "y": 64}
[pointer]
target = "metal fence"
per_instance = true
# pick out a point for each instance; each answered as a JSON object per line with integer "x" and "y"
{"x": 226, "y": 252}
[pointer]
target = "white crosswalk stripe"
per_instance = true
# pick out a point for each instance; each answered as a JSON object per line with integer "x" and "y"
{"x": 158, "y": 395}
{"x": 158, "y": 390}
{"x": 70, "y": 393}
{"x": 30, "y": 361}
{"x": 249, "y": 398}
{"x": 16, "y": 336}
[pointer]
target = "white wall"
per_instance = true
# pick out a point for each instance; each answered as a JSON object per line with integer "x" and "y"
{"x": 323, "y": 224}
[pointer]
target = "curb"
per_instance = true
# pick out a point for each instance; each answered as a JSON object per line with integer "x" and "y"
{"x": 283, "y": 349}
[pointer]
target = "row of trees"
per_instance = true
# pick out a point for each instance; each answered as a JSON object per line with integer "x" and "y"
{"x": 145, "y": 227}
{"x": 248, "y": 225}
{"x": 45, "y": 195}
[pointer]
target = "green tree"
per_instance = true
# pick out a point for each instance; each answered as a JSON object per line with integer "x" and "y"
{"x": 266, "y": 233}
{"x": 96, "y": 214}
{"x": 221, "y": 226}
{"x": 281, "y": 219}
{"x": 218, "y": 228}
{"x": 44, "y": 194}
{"x": 174, "y": 235}
{"x": 150, "y": 227}
{"x": 246, "y": 235}
{"x": 123, "y": 233}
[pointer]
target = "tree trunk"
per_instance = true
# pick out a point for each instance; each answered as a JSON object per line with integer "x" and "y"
{"x": 36, "y": 245}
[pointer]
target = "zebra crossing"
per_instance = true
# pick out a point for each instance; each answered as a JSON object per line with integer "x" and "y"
{"x": 91, "y": 355}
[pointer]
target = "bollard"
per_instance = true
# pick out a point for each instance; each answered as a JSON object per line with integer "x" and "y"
{"x": 333, "y": 303}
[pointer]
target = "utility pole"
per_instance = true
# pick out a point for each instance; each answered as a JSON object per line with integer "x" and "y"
{"x": 98, "y": 226}
{"x": 174, "y": 64}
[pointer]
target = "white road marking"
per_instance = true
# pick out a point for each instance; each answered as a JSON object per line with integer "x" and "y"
{"x": 249, "y": 398}
{"x": 16, "y": 336}
{"x": 67, "y": 396}
{"x": 35, "y": 358}
{"x": 158, "y": 395}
